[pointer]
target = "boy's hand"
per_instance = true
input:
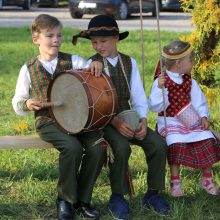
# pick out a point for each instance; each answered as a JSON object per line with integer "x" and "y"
{"x": 205, "y": 123}
{"x": 33, "y": 105}
{"x": 122, "y": 127}
{"x": 161, "y": 80}
{"x": 141, "y": 130}
{"x": 96, "y": 68}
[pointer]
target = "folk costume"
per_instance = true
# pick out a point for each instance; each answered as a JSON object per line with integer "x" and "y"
{"x": 75, "y": 182}
{"x": 188, "y": 145}
{"x": 153, "y": 145}
{"x": 124, "y": 73}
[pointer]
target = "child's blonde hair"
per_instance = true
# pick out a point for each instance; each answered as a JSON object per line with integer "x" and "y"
{"x": 44, "y": 22}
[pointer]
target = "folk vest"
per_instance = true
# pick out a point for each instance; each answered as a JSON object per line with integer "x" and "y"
{"x": 40, "y": 78}
{"x": 118, "y": 79}
{"x": 178, "y": 95}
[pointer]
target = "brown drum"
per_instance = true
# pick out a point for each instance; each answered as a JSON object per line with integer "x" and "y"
{"x": 81, "y": 101}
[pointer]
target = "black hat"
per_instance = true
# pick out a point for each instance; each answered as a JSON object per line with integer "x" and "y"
{"x": 101, "y": 25}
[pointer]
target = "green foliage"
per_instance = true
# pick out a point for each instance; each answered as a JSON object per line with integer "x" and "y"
{"x": 28, "y": 178}
{"x": 205, "y": 39}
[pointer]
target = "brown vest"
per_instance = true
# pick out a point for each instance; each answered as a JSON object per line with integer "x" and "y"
{"x": 119, "y": 80}
{"x": 40, "y": 78}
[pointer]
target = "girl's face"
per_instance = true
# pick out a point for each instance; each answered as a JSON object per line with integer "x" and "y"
{"x": 106, "y": 46}
{"x": 185, "y": 64}
{"x": 49, "y": 43}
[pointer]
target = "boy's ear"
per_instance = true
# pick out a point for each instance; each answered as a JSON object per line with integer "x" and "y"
{"x": 34, "y": 39}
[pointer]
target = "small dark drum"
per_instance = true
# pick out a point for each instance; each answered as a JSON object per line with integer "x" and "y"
{"x": 87, "y": 102}
{"x": 131, "y": 117}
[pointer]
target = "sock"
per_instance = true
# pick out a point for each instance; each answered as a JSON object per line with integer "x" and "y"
{"x": 175, "y": 178}
{"x": 151, "y": 192}
{"x": 117, "y": 195}
{"x": 207, "y": 175}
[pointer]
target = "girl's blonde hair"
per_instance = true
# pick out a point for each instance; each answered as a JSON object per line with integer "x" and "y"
{"x": 44, "y": 22}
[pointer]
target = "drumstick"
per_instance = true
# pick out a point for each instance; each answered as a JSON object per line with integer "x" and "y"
{"x": 51, "y": 104}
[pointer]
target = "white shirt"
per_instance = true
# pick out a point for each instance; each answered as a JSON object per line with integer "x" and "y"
{"x": 199, "y": 103}
{"x": 23, "y": 86}
{"x": 137, "y": 96}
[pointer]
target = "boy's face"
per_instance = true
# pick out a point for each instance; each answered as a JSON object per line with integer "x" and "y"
{"x": 106, "y": 46}
{"x": 49, "y": 42}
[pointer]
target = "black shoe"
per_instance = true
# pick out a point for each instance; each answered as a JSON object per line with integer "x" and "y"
{"x": 87, "y": 211}
{"x": 64, "y": 210}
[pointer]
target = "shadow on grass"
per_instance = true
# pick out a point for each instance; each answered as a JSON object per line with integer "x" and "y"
{"x": 41, "y": 172}
{"x": 26, "y": 211}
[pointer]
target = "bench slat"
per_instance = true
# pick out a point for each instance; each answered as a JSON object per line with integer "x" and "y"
{"x": 23, "y": 142}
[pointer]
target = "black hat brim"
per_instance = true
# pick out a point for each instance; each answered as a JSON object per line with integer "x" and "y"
{"x": 122, "y": 35}
{"x": 87, "y": 35}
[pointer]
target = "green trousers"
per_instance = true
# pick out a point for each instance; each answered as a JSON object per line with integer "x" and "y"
{"x": 80, "y": 161}
{"x": 155, "y": 150}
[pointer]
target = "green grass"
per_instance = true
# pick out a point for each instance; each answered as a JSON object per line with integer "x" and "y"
{"x": 28, "y": 178}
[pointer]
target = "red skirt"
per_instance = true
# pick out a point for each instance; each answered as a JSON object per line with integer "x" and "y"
{"x": 199, "y": 155}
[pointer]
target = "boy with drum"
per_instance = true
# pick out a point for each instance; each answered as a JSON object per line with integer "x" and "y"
{"x": 75, "y": 184}
{"x": 104, "y": 35}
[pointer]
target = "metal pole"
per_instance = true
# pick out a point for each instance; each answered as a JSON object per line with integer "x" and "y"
{"x": 159, "y": 46}
{"x": 142, "y": 43}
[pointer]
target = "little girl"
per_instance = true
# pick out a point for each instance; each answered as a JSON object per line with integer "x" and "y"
{"x": 187, "y": 118}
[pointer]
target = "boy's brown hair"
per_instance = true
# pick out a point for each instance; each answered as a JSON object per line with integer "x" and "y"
{"x": 44, "y": 22}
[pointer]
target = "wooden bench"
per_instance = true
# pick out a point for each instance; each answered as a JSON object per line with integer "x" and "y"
{"x": 34, "y": 141}
{"x": 23, "y": 142}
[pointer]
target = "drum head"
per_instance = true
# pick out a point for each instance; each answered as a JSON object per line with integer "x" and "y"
{"x": 72, "y": 115}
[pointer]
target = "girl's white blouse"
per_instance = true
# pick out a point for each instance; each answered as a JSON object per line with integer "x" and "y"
{"x": 198, "y": 101}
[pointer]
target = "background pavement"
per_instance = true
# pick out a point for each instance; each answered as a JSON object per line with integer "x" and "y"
{"x": 173, "y": 21}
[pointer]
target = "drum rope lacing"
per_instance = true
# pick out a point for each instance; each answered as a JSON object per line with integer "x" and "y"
{"x": 85, "y": 81}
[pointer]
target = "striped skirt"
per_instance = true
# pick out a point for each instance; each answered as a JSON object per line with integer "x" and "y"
{"x": 199, "y": 155}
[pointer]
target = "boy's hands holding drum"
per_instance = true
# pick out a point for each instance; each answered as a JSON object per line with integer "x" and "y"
{"x": 95, "y": 68}
{"x": 33, "y": 105}
{"x": 141, "y": 130}
{"x": 123, "y": 127}
{"x": 161, "y": 80}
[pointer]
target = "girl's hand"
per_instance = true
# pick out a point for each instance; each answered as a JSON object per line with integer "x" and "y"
{"x": 161, "y": 80}
{"x": 141, "y": 130}
{"x": 96, "y": 68}
{"x": 205, "y": 123}
{"x": 33, "y": 105}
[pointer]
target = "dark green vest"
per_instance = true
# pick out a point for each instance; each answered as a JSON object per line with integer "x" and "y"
{"x": 40, "y": 78}
{"x": 119, "y": 80}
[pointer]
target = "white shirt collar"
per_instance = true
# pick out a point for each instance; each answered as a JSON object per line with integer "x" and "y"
{"x": 50, "y": 66}
{"x": 113, "y": 61}
{"x": 174, "y": 74}
{"x": 176, "y": 77}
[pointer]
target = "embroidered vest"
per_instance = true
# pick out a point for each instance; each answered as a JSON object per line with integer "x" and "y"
{"x": 178, "y": 95}
{"x": 40, "y": 78}
{"x": 118, "y": 79}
